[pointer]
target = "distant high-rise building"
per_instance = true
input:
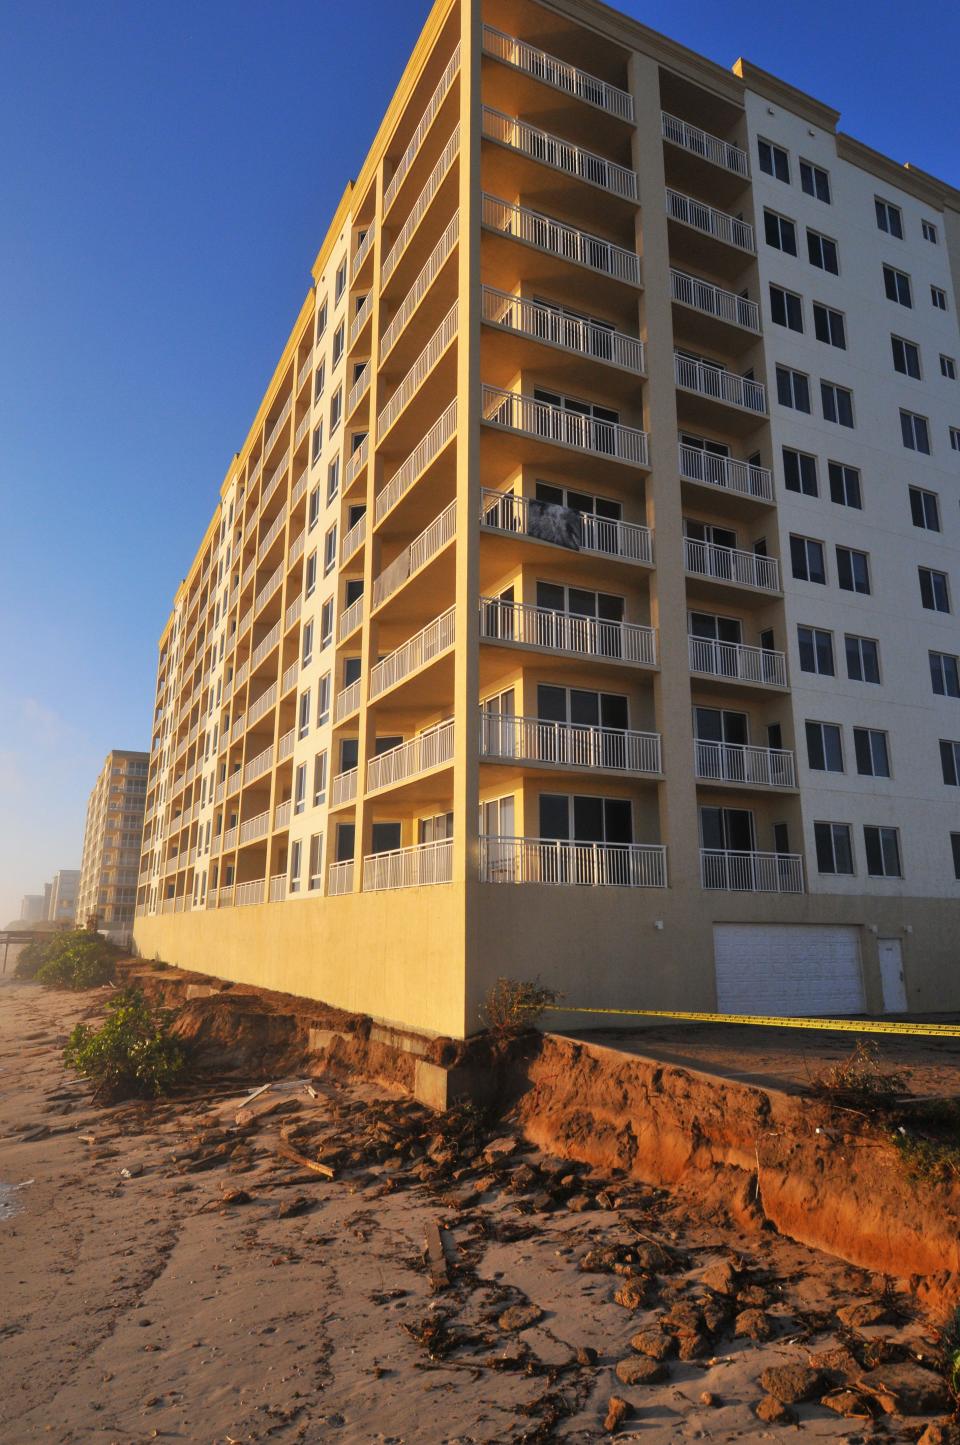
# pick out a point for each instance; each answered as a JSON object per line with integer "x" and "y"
{"x": 62, "y": 905}
{"x": 111, "y": 844}
{"x": 33, "y": 908}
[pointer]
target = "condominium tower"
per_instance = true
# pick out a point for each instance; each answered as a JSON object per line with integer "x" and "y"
{"x": 62, "y": 901}
{"x": 111, "y": 845}
{"x": 581, "y": 600}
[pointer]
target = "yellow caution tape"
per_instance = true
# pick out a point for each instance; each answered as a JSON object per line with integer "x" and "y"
{"x": 844, "y": 1026}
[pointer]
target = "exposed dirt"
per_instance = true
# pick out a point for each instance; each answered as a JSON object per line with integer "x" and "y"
{"x": 451, "y": 1283}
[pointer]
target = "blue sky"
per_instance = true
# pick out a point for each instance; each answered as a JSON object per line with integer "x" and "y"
{"x": 166, "y": 174}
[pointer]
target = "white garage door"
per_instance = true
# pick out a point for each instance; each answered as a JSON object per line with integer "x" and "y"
{"x": 789, "y": 969}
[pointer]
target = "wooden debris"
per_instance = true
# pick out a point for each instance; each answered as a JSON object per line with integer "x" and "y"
{"x": 436, "y": 1257}
{"x": 286, "y": 1151}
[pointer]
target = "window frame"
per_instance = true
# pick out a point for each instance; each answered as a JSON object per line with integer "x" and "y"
{"x": 775, "y": 153}
{"x": 808, "y": 542}
{"x": 884, "y": 211}
{"x": 815, "y": 644}
{"x": 831, "y": 838}
{"x": 859, "y": 640}
{"x": 815, "y": 173}
{"x": 783, "y": 226}
{"x": 885, "y": 834}
{"x": 868, "y": 734}
{"x": 845, "y": 470}
{"x": 815, "y": 729}
{"x": 821, "y": 250}
{"x": 892, "y": 274}
{"x": 835, "y": 323}
{"x": 838, "y": 394}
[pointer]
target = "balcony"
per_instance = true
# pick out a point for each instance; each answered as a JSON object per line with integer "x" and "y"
{"x": 731, "y": 564}
{"x": 433, "y": 748}
{"x": 278, "y": 887}
{"x": 253, "y": 828}
{"x": 557, "y": 861}
{"x": 416, "y": 867}
{"x": 347, "y": 701}
{"x": 350, "y": 619}
{"x": 417, "y": 554}
{"x": 556, "y": 238}
{"x": 361, "y": 317}
{"x": 518, "y": 624}
{"x": 246, "y": 894}
{"x": 714, "y": 301}
{"x": 281, "y": 817}
{"x": 719, "y": 385}
{"x": 354, "y": 539}
{"x": 431, "y": 270}
{"x": 412, "y": 469}
{"x": 507, "y": 738}
{"x": 568, "y": 333}
{"x": 257, "y": 766}
{"x": 296, "y": 548}
{"x": 740, "y": 763}
{"x": 343, "y": 789}
{"x": 751, "y": 872}
{"x": 268, "y": 588}
{"x": 423, "y": 127}
{"x": 424, "y": 647}
{"x": 737, "y": 662}
{"x": 420, "y": 207}
{"x": 559, "y": 155}
{"x": 285, "y": 746}
{"x": 697, "y": 465}
{"x": 359, "y": 389}
{"x": 577, "y": 531}
{"x": 340, "y": 878}
{"x": 265, "y": 646}
{"x": 513, "y": 411}
{"x": 262, "y": 705}
{"x": 357, "y": 462}
{"x": 363, "y": 251}
{"x": 292, "y": 613}
{"x": 440, "y": 341}
{"x": 710, "y": 222}
{"x": 558, "y": 73}
{"x": 708, "y": 147}
{"x": 277, "y": 427}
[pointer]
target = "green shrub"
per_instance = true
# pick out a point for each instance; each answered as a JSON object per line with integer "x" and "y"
{"x": 32, "y": 956}
{"x": 131, "y": 1054}
{"x": 68, "y": 960}
{"x": 516, "y": 1004}
{"x": 950, "y": 1343}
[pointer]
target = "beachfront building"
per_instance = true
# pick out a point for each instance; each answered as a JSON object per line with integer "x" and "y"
{"x": 111, "y": 845}
{"x": 583, "y": 599}
{"x": 62, "y": 900}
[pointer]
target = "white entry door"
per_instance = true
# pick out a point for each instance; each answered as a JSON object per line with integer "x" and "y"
{"x": 890, "y": 955}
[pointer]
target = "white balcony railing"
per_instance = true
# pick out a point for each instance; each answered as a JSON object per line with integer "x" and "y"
{"x": 263, "y": 704}
{"x": 359, "y": 389}
{"x": 277, "y": 427}
{"x": 296, "y": 548}
{"x": 299, "y": 487}
{"x": 350, "y": 618}
{"x": 292, "y": 613}
{"x": 711, "y": 222}
{"x": 249, "y": 893}
{"x": 278, "y": 473}
{"x": 416, "y": 867}
{"x": 559, "y": 154}
{"x": 429, "y": 273}
{"x": 742, "y": 763}
{"x": 441, "y": 339}
{"x": 557, "y": 861}
{"x": 363, "y": 250}
{"x": 434, "y": 537}
{"x": 429, "y": 749}
{"x": 742, "y": 872}
{"x": 305, "y": 370}
{"x": 265, "y": 645}
{"x": 517, "y": 622}
{"x": 302, "y": 430}
{"x": 719, "y": 385}
{"x": 285, "y": 746}
{"x": 346, "y": 701}
{"x": 343, "y": 789}
{"x": 357, "y": 462}
{"x": 583, "y": 248}
{"x": 340, "y": 878}
{"x": 268, "y": 588}
{"x": 281, "y": 816}
{"x": 580, "y": 531}
{"x": 413, "y": 467}
{"x": 566, "y": 428}
{"x": 423, "y": 126}
{"x": 354, "y": 539}
{"x": 423, "y": 647}
{"x": 259, "y": 765}
{"x": 714, "y": 300}
{"x": 698, "y": 465}
{"x": 253, "y": 828}
{"x": 274, "y": 530}
{"x": 278, "y": 887}
{"x": 360, "y": 318}
{"x": 701, "y": 143}
{"x": 558, "y": 73}
{"x": 737, "y": 661}
{"x": 557, "y": 328}
{"x": 229, "y": 840}
{"x": 533, "y": 740}
{"x": 420, "y": 206}
{"x": 731, "y": 564}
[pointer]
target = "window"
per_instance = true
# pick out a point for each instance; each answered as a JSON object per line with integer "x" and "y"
{"x": 948, "y": 367}
{"x": 889, "y": 218}
{"x": 300, "y": 788}
{"x": 844, "y": 485}
{"x": 816, "y": 651}
{"x": 939, "y": 297}
{"x": 929, "y": 231}
{"x": 319, "y": 778}
{"x": 786, "y": 308}
{"x": 793, "y": 389}
{"x": 824, "y": 747}
{"x": 307, "y": 649}
{"x": 829, "y": 326}
{"x": 806, "y": 557}
{"x": 955, "y": 849}
{"x": 317, "y": 445}
{"x": 945, "y": 674}
{"x": 780, "y": 232}
{"x": 333, "y": 479}
{"x": 934, "y": 593}
{"x": 924, "y": 509}
{"x": 303, "y": 716}
{"x": 319, "y": 377}
{"x": 863, "y": 659}
{"x": 313, "y": 509}
{"x": 915, "y": 431}
{"x": 314, "y": 871}
{"x": 583, "y": 818}
{"x": 815, "y": 181}
{"x": 837, "y": 403}
{"x": 322, "y": 318}
{"x": 296, "y": 851}
{"x": 774, "y": 160}
{"x": 897, "y": 286}
{"x": 323, "y": 701}
{"x": 872, "y": 752}
{"x": 330, "y": 550}
{"x": 853, "y": 571}
{"x": 834, "y": 848}
{"x": 340, "y": 284}
{"x": 883, "y": 851}
{"x": 822, "y": 252}
{"x": 800, "y": 472}
{"x": 326, "y": 623}
{"x": 310, "y": 575}
{"x": 336, "y": 409}
{"x": 906, "y": 357}
{"x": 337, "y": 344}
{"x": 950, "y": 762}
{"x": 955, "y": 438}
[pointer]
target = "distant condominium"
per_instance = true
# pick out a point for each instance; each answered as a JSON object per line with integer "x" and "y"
{"x": 582, "y": 600}
{"x": 111, "y": 844}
